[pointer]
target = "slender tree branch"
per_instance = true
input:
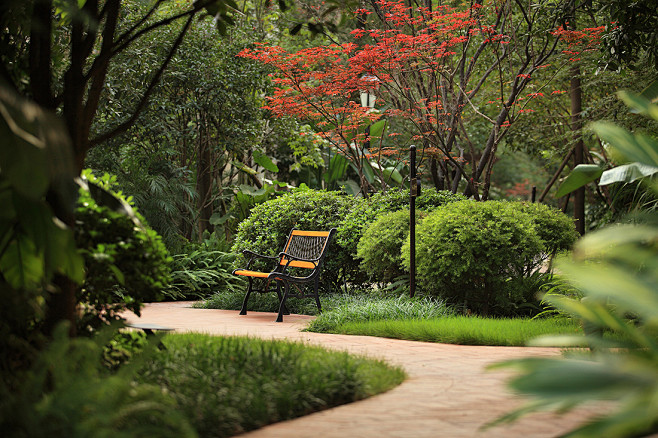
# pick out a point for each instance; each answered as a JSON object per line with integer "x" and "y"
{"x": 142, "y": 103}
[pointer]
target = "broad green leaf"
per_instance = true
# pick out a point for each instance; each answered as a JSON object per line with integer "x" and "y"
{"x": 350, "y": 187}
{"x": 576, "y": 379}
{"x": 606, "y": 281}
{"x": 21, "y": 264}
{"x": 264, "y": 161}
{"x": 218, "y": 219}
{"x": 377, "y": 128}
{"x": 337, "y": 168}
{"x": 36, "y": 151}
{"x": 18, "y": 161}
{"x": 579, "y": 176}
{"x": 599, "y": 243}
{"x": 627, "y": 173}
{"x": 368, "y": 171}
{"x": 640, "y": 104}
{"x": 393, "y": 174}
{"x": 61, "y": 253}
{"x": 639, "y": 148}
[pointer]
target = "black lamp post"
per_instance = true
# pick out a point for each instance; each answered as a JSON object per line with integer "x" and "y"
{"x": 414, "y": 191}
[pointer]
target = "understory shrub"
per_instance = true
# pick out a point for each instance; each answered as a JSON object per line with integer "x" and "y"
{"x": 381, "y": 244}
{"x": 480, "y": 255}
{"x": 366, "y": 212}
{"x": 126, "y": 262}
{"x": 204, "y": 269}
{"x": 266, "y": 229}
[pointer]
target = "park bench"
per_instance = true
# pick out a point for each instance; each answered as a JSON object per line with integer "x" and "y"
{"x": 304, "y": 250}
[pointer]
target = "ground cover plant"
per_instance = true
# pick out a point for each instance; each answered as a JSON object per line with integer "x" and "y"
{"x": 229, "y": 385}
{"x": 120, "y": 383}
{"x": 364, "y": 308}
{"x": 464, "y": 330}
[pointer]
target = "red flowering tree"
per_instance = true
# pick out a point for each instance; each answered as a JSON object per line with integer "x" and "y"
{"x": 320, "y": 85}
{"x": 446, "y": 70}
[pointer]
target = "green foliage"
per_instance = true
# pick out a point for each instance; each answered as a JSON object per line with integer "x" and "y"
{"x": 556, "y": 230}
{"x": 364, "y": 213}
{"x": 204, "y": 269}
{"x": 228, "y": 386}
{"x": 477, "y": 254}
{"x": 616, "y": 269}
{"x": 381, "y": 244}
{"x": 463, "y": 330}
{"x": 125, "y": 260}
{"x": 68, "y": 393}
{"x": 35, "y": 243}
{"x": 268, "y": 226}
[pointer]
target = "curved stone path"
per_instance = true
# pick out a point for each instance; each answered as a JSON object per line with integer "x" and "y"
{"x": 448, "y": 392}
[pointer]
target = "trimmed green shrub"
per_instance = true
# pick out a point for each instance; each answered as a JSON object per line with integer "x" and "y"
{"x": 126, "y": 262}
{"x": 480, "y": 255}
{"x": 555, "y": 229}
{"x": 381, "y": 244}
{"x": 394, "y": 199}
{"x": 266, "y": 229}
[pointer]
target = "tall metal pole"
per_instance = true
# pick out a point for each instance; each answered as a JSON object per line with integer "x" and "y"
{"x": 413, "y": 192}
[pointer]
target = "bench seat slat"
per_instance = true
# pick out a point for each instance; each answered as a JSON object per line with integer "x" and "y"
{"x": 248, "y": 273}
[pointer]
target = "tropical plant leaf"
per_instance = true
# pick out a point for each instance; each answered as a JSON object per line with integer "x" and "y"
{"x": 579, "y": 176}
{"x": 350, "y": 187}
{"x": 377, "y": 128}
{"x": 638, "y": 147}
{"x": 394, "y": 174}
{"x": 264, "y": 161}
{"x": 640, "y": 104}
{"x": 627, "y": 173}
{"x": 337, "y": 168}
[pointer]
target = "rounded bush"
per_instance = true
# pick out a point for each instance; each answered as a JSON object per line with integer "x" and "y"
{"x": 381, "y": 243}
{"x": 364, "y": 213}
{"x": 266, "y": 229}
{"x": 555, "y": 229}
{"x": 475, "y": 254}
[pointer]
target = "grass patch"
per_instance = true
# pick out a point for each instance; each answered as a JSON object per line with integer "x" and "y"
{"x": 463, "y": 330}
{"x": 230, "y": 385}
{"x": 362, "y": 308}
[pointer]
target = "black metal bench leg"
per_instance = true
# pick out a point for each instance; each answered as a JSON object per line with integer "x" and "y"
{"x": 243, "y": 311}
{"x": 282, "y": 306}
{"x": 278, "y": 294}
{"x": 317, "y": 294}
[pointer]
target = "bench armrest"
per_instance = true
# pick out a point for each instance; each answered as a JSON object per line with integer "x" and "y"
{"x": 253, "y": 255}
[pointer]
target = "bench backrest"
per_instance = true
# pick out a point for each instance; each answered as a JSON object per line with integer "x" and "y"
{"x": 307, "y": 245}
